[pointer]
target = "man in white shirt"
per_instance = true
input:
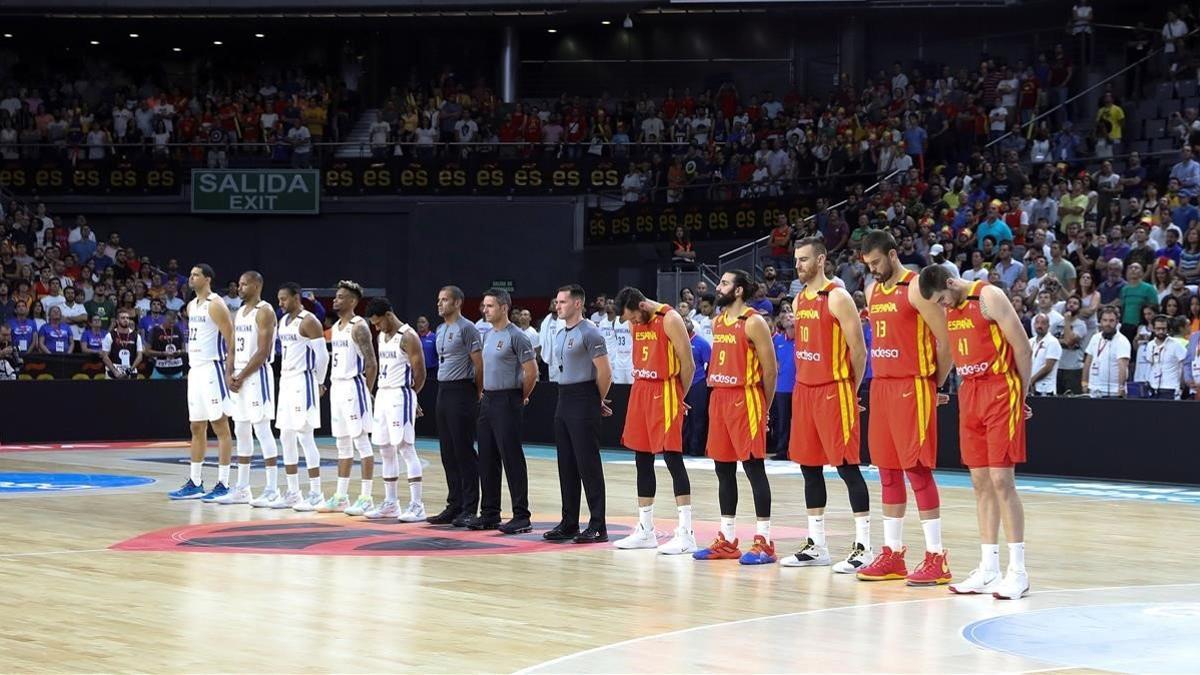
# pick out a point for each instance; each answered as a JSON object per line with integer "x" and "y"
{"x": 937, "y": 254}
{"x": 1166, "y": 358}
{"x": 551, "y": 325}
{"x": 631, "y": 187}
{"x": 379, "y": 133}
{"x": 702, "y": 321}
{"x": 1172, "y": 30}
{"x": 977, "y": 271}
{"x": 74, "y": 314}
{"x": 1106, "y": 366}
{"x": 232, "y": 299}
{"x": 618, "y": 341}
{"x": 652, "y": 129}
{"x": 301, "y": 141}
{"x": 1046, "y": 353}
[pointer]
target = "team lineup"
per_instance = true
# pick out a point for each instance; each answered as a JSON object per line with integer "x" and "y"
{"x": 923, "y": 325}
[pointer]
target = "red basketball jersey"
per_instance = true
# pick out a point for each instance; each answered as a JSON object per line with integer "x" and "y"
{"x": 978, "y": 346}
{"x": 901, "y": 343}
{"x": 653, "y": 356}
{"x": 821, "y": 354}
{"x": 734, "y": 362}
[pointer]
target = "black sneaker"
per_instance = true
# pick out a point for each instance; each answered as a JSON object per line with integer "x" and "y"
{"x": 481, "y": 523}
{"x": 463, "y": 519}
{"x": 516, "y": 526}
{"x": 591, "y": 536}
{"x": 560, "y": 532}
{"x": 446, "y": 517}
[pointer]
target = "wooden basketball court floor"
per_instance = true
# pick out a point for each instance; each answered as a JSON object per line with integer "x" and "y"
{"x": 96, "y": 578}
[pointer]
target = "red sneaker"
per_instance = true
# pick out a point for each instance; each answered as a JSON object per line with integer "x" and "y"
{"x": 932, "y": 571}
{"x": 887, "y": 565}
{"x": 721, "y": 549}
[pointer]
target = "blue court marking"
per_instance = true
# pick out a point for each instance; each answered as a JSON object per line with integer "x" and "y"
{"x": 18, "y": 481}
{"x": 1134, "y": 637}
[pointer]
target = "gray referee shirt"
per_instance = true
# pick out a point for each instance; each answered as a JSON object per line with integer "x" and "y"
{"x": 455, "y": 344}
{"x": 504, "y": 352}
{"x": 575, "y": 348}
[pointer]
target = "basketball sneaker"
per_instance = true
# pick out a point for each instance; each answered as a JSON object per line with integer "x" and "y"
{"x": 810, "y": 555}
{"x": 312, "y": 502}
{"x": 237, "y": 495}
{"x": 335, "y": 504}
{"x": 978, "y": 581}
{"x": 388, "y": 509}
{"x": 720, "y": 549}
{"x": 1014, "y": 586}
{"x": 360, "y": 506}
{"x": 933, "y": 570}
{"x": 287, "y": 501}
{"x": 761, "y": 553}
{"x": 264, "y": 499}
{"x": 189, "y": 491}
{"x": 413, "y": 513}
{"x": 217, "y": 492}
{"x": 887, "y": 565}
{"x": 684, "y": 541}
{"x": 859, "y": 556}
{"x": 641, "y": 538}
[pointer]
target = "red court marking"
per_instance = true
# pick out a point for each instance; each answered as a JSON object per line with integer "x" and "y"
{"x": 339, "y": 535}
{"x": 92, "y": 446}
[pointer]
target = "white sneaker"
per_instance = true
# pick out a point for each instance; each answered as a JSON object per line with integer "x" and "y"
{"x": 859, "y": 555}
{"x": 1014, "y": 587}
{"x": 684, "y": 541}
{"x": 238, "y": 495}
{"x": 360, "y": 506}
{"x": 641, "y": 538}
{"x": 388, "y": 509}
{"x": 413, "y": 513}
{"x": 312, "y": 502}
{"x": 287, "y": 501}
{"x": 335, "y": 504}
{"x": 264, "y": 499}
{"x": 978, "y": 581}
{"x": 810, "y": 555}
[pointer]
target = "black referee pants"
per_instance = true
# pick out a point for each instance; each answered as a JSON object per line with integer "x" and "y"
{"x": 779, "y": 432}
{"x": 695, "y": 423}
{"x": 500, "y": 415}
{"x": 456, "y": 413}
{"x": 577, "y": 438}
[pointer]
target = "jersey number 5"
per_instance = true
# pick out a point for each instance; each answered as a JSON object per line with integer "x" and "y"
{"x": 645, "y": 352}
{"x": 335, "y": 359}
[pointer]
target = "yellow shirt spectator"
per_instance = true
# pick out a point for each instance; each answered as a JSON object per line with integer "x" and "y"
{"x": 314, "y": 118}
{"x": 1115, "y": 117}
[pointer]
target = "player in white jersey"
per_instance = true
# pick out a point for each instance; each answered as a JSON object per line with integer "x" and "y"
{"x": 401, "y": 376}
{"x": 352, "y": 376}
{"x": 253, "y": 390}
{"x": 619, "y": 342}
{"x": 303, "y": 360}
{"x": 210, "y": 367}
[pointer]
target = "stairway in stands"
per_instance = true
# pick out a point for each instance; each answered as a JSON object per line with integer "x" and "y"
{"x": 359, "y": 138}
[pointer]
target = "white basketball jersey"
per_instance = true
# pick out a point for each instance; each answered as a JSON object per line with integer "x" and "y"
{"x": 619, "y": 342}
{"x": 347, "y": 359}
{"x": 297, "y": 355}
{"x": 395, "y": 371}
{"x": 245, "y": 335}
{"x": 205, "y": 342}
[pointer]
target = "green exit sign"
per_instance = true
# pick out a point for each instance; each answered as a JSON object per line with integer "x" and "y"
{"x": 256, "y": 191}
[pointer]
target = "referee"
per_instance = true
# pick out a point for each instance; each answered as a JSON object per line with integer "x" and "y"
{"x": 584, "y": 378}
{"x": 460, "y": 379}
{"x": 509, "y": 376}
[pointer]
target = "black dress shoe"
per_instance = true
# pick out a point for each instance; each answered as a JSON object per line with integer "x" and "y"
{"x": 560, "y": 532}
{"x": 516, "y": 526}
{"x": 591, "y": 536}
{"x": 446, "y": 517}
{"x": 481, "y": 523}
{"x": 463, "y": 519}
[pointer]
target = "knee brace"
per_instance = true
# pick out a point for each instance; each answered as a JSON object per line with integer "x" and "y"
{"x": 291, "y": 447}
{"x": 646, "y": 485}
{"x": 345, "y": 448}
{"x": 363, "y": 445}
{"x": 412, "y": 463}
{"x": 266, "y": 439}
{"x": 892, "y": 482}
{"x": 312, "y": 456}
{"x": 760, "y": 487}
{"x": 924, "y": 488}
{"x": 815, "y": 495}
{"x": 860, "y": 498}
{"x": 391, "y": 468}
{"x": 727, "y": 490}
{"x": 679, "y": 475}
{"x": 244, "y": 432}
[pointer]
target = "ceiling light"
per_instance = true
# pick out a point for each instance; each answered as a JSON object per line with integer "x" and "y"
{"x": 551, "y": 30}
{"x": 95, "y": 42}
{"x": 133, "y": 35}
{"x": 605, "y": 22}
{"x": 259, "y": 35}
{"x": 218, "y": 43}
{"x": 176, "y": 49}
{"x": 8, "y": 35}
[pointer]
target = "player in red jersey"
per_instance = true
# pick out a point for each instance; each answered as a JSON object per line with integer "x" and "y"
{"x": 831, "y": 359}
{"x": 993, "y": 359}
{"x": 742, "y": 375}
{"x": 910, "y": 359}
{"x": 662, "y": 373}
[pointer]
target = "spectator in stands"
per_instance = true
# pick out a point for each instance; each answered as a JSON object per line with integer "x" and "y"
{"x": 152, "y": 319}
{"x": 74, "y": 314}
{"x": 1046, "y": 354}
{"x": 1172, "y": 31}
{"x": 1135, "y": 295}
{"x": 1112, "y": 117}
{"x": 7, "y": 305}
{"x": 1166, "y": 357}
{"x": 10, "y": 356}
{"x": 93, "y": 336}
{"x": 299, "y": 137}
{"x": 1187, "y": 172}
{"x": 166, "y": 348}
{"x": 1060, "y": 268}
{"x": 121, "y": 350}
{"x": 23, "y": 328}
{"x": 54, "y": 337}
{"x": 633, "y": 186}
{"x": 776, "y": 290}
{"x": 681, "y": 246}
{"x": 1106, "y": 365}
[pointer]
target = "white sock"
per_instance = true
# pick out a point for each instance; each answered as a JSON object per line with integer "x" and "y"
{"x": 389, "y": 490}
{"x": 989, "y": 557}
{"x": 1016, "y": 556}
{"x": 414, "y": 491}
{"x": 223, "y": 474}
{"x": 933, "y": 534}
{"x": 685, "y": 517}
{"x": 816, "y": 529}
{"x": 728, "y": 528}
{"x": 645, "y": 518}
{"x": 314, "y": 484}
{"x": 293, "y": 482}
{"x": 368, "y": 486}
{"x": 195, "y": 472}
{"x": 763, "y": 528}
{"x": 862, "y": 530}
{"x": 272, "y": 478}
{"x": 343, "y": 486}
{"x": 243, "y": 474}
{"x": 893, "y": 533}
